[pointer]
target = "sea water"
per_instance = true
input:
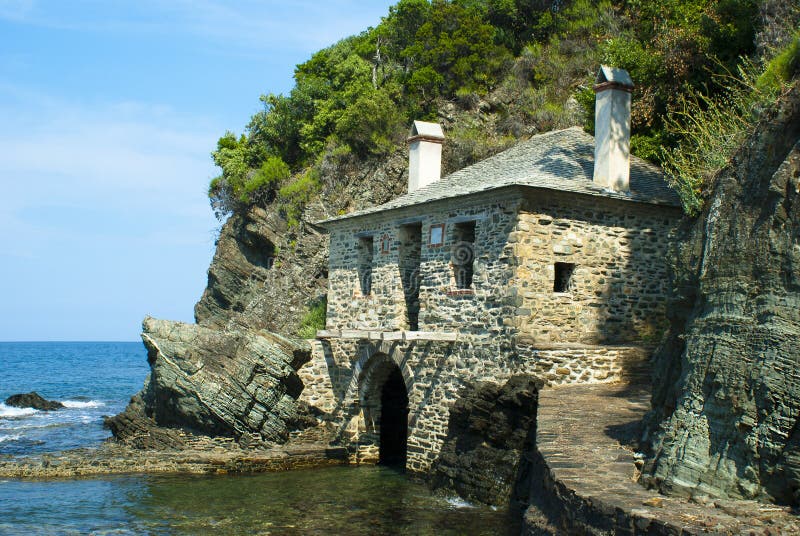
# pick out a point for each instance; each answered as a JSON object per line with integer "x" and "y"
{"x": 91, "y": 379}
{"x": 98, "y": 378}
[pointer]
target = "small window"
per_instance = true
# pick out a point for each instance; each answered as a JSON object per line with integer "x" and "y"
{"x": 463, "y": 254}
{"x": 386, "y": 244}
{"x": 436, "y": 237}
{"x": 563, "y": 277}
{"x": 365, "y": 248}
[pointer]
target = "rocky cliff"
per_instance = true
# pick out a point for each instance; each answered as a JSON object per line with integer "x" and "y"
{"x": 726, "y": 417}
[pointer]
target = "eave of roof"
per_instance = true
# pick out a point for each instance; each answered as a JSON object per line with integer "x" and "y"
{"x": 561, "y": 160}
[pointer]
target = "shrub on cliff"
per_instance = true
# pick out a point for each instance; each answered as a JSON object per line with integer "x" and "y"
{"x": 314, "y": 318}
{"x": 712, "y": 128}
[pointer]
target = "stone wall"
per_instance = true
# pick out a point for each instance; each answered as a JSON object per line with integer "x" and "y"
{"x": 616, "y": 253}
{"x": 489, "y": 282}
{"x": 560, "y": 364}
{"x": 345, "y": 377}
{"x": 479, "y": 309}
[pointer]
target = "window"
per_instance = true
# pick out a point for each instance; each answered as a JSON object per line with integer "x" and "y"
{"x": 563, "y": 277}
{"x": 463, "y": 254}
{"x": 386, "y": 244}
{"x": 365, "y": 248}
{"x": 436, "y": 237}
{"x": 410, "y": 260}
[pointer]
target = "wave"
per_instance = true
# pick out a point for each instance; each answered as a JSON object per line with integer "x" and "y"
{"x": 13, "y": 437}
{"x": 10, "y": 411}
{"x": 82, "y": 404}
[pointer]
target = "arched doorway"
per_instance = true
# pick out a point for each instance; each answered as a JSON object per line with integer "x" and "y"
{"x": 394, "y": 421}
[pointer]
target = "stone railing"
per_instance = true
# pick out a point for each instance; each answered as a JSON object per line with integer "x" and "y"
{"x": 390, "y": 336}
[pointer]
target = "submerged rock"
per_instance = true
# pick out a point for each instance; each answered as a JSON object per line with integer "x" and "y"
{"x": 726, "y": 402}
{"x": 491, "y": 427}
{"x": 33, "y": 400}
{"x": 214, "y": 383}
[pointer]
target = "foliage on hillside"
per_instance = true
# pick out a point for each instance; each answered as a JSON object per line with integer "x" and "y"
{"x": 529, "y": 62}
{"x": 710, "y": 128}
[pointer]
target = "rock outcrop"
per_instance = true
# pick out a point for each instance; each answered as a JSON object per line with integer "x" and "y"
{"x": 255, "y": 282}
{"x": 726, "y": 417}
{"x": 240, "y": 384}
{"x": 491, "y": 426}
{"x": 33, "y": 400}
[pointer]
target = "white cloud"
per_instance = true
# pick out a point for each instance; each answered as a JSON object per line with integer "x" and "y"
{"x": 120, "y": 147}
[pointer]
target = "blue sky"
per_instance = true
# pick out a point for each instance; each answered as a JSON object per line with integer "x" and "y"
{"x": 108, "y": 113}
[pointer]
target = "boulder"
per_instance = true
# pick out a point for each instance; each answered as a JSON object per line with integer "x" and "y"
{"x": 491, "y": 426}
{"x": 33, "y": 400}
{"x": 215, "y": 383}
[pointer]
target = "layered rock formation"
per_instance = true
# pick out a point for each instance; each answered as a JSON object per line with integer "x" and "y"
{"x": 253, "y": 282}
{"x": 240, "y": 384}
{"x": 491, "y": 426}
{"x": 726, "y": 418}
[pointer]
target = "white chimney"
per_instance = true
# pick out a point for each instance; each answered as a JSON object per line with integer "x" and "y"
{"x": 424, "y": 154}
{"x": 612, "y": 129}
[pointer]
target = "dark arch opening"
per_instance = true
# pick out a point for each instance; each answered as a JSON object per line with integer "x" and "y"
{"x": 394, "y": 421}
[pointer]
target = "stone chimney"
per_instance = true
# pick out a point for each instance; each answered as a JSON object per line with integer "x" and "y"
{"x": 612, "y": 129}
{"x": 424, "y": 154}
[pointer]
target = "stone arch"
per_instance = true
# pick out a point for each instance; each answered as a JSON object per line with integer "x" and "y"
{"x": 384, "y": 388}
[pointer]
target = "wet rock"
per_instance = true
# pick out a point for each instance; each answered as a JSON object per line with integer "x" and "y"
{"x": 213, "y": 383}
{"x": 727, "y": 381}
{"x": 133, "y": 427}
{"x": 33, "y": 400}
{"x": 491, "y": 426}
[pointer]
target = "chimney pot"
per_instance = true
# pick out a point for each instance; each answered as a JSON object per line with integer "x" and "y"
{"x": 612, "y": 129}
{"x": 424, "y": 154}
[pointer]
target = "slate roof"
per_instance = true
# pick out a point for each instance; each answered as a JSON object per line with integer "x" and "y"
{"x": 560, "y": 160}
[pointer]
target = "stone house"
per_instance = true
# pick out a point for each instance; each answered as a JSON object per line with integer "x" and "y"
{"x": 547, "y": 258}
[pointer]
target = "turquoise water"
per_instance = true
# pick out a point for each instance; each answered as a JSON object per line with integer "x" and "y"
{"x": 338, "y": 500}
{"x": 96, "y": 379}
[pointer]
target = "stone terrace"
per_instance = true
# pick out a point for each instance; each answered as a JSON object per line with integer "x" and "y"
{"x": 589, "y": 473}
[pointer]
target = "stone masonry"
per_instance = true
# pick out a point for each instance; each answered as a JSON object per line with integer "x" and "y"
{"x": 509, "y": 321}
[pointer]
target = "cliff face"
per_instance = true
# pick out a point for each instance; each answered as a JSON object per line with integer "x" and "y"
{"x": 491, "y": 428}
{"x": 726, "y": 417}
{"x": 253, "y": 283}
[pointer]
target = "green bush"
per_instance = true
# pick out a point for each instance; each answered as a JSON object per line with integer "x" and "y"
{"x": 314, "y": 318}
{"x": 781, "y": 68}
{"x": 370, "y": 125}
{"x": 710, "y": 129}
{"x": 271, "y": 173}
{"x": 294, "y": 195}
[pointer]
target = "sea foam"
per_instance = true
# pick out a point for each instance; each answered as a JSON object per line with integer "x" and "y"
{"x": 82, "y": 404}
{"x": 458, "y": 502}
{"x": 10, "y": 411}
